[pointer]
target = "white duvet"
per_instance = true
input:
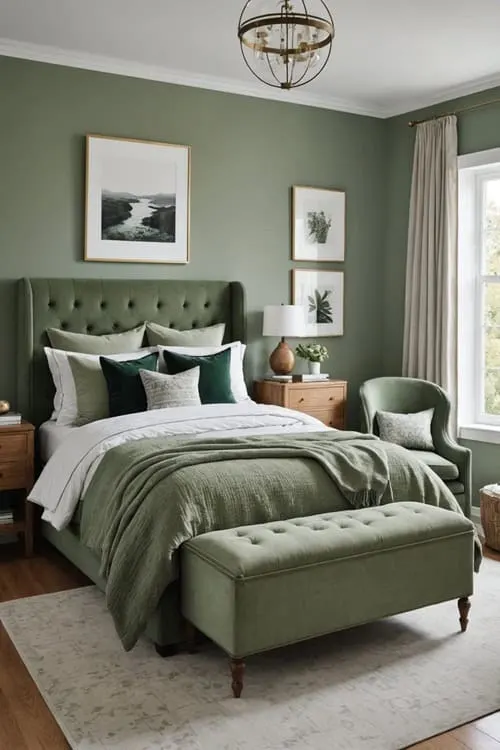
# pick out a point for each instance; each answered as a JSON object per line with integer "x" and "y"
{"x": 69, "y": 471}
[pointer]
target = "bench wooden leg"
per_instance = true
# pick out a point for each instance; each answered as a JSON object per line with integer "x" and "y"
{"x": 464, "y": 609}
{"x": 237, "y": 672}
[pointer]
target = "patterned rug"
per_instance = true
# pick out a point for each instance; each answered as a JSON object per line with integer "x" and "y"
{"x": 377, "y": 687}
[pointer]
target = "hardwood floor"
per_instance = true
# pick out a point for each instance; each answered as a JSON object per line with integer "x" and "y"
{"x": 27, "y": 724}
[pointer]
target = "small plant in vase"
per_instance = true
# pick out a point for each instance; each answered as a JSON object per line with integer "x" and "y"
{"x": 315, "y": 354}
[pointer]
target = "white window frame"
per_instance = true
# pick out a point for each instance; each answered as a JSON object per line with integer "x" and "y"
{"x": 474, "y": 170}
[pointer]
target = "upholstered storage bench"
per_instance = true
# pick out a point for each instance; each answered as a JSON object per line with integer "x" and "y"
{"x": 256, "y": 588}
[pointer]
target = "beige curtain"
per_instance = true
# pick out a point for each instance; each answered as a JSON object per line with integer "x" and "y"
{"x": 430, "y": 328}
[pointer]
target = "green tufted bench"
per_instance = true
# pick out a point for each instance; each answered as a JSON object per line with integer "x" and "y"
{"x": 256, "y": 588}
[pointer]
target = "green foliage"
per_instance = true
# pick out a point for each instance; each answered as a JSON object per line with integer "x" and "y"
{"x": 320, "y": 304}
{"x": 312, "y": 352}
{"x": 492, "y": 310}
{"x": 319, "y": 226}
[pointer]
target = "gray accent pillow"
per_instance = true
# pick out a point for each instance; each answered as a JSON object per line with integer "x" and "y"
{"x": 408, "y": 430}
{"x": 166, "y": 391}
{"x": 84, "y": 343}
{"x": 164, "y": 336}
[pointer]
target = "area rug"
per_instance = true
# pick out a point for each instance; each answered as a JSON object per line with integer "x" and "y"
{"x": 382, "y": 686}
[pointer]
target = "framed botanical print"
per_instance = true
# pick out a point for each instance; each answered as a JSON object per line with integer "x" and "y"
{"x": 318, "y": 224}
{"x": 137, "y": 201}
{"x": 321, "y": 293}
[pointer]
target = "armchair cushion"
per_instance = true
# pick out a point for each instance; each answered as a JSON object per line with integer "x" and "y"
{"x": 445, "y": 469}
{"x": 408, "y": 430}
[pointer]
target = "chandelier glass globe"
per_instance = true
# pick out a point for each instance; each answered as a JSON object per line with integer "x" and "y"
{"x": 286, "y": 44}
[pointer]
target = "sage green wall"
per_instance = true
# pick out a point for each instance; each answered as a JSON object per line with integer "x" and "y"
{"x": 478, "y": 130}
{"x": 246, "y": 153}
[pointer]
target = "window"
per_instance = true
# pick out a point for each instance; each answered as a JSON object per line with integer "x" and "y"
{"x": 479, "y": 289}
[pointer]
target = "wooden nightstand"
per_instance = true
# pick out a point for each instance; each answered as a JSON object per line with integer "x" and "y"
{"x": 16, "y": 473}
{"x": 324, "y": 400}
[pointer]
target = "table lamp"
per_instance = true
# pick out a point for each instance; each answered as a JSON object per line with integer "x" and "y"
{"x": 283, "y": 320}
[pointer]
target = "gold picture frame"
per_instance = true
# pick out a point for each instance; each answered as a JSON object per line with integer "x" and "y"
{"x": 321, "y": 293}
{"x": 137, "y": 201}
{"x": 318, "y": 224}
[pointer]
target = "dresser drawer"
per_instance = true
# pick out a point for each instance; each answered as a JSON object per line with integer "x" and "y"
{"x": 12, "y": 475}
{"x": 304, "y": 399}
{"x": 12, "y": 447}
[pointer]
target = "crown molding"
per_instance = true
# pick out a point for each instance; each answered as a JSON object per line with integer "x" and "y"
{"x": 410, "y": 106}
{"x": 117, "y": 66}
{"x": 131, "y": 69}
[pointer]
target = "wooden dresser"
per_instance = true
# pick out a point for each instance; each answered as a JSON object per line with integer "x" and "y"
{"x": 324, "y": 400}
{"x": 16, "y": 473}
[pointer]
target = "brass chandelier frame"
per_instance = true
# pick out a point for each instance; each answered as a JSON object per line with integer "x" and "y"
{"x": 287, "y": 19}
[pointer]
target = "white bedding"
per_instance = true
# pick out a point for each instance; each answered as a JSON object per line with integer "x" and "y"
{"x": 69, "y": 470}
{"x": 50, "y": 436}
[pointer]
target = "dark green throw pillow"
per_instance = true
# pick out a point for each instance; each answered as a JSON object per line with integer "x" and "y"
{"x": 126, "y": 393}
{"x": 214, "y": 385}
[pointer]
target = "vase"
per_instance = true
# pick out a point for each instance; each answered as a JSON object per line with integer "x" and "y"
{"x": 314, "y": 368}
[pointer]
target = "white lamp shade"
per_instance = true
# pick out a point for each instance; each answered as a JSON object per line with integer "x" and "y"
{"x": 284, "y": 320}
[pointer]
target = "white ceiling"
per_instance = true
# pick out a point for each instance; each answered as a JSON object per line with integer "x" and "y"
{"x": 389, "y": 56}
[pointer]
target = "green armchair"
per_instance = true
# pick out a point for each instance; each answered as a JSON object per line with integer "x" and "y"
{"x": 450, "y": 461}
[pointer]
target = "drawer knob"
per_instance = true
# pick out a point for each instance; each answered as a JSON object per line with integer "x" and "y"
{"x": 331, "y": 398}
{"x": 301, "y": 399}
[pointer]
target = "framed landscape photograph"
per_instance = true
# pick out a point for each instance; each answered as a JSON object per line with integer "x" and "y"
{"x": 137, "y": 201}
{"x": 322, "y": 294}
{"x": 318, "y": 224}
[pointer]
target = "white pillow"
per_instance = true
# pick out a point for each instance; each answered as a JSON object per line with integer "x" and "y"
{"x": 65, "y": 403}
{"x": 238, "y": 385}
{"x": 166, "y": 391}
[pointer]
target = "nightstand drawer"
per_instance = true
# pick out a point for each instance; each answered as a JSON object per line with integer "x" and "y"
{"x": 330, "y": 417}
{"x": 12, "y": 475}
{"x": 304, "y": 399}
{"x": 12, "y": 447}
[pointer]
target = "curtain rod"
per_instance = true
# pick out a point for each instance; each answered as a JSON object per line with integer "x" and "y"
{"x": 412, "y": 123}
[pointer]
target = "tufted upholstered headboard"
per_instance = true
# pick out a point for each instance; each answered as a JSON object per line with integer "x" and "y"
{"x": 100, "y": 306}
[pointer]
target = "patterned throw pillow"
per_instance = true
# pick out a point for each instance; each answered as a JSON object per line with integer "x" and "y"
{"x": 164, "y": 391}
{"x": 407, "y": 430}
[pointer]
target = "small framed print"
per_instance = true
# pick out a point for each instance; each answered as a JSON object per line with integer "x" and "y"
{"x": 137, "y": 201}
{"x": 318, "y": 224}
{"x": 321, "y": 293}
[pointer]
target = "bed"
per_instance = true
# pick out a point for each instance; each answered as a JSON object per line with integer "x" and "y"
{"x": 102, "y": 306}
{"x": 264, "y": 463}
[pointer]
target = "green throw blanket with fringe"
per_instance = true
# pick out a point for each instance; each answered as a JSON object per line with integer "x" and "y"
{"x": 149, "y": 496}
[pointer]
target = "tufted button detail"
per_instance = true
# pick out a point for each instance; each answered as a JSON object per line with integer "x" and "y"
{"x": 131, "y": 304}
{"x": 76, "y": 304}
{"x": 195, "y": 324}
{"x": 241, "y": 533}
{"x": 51, "y": 303}
{"x": 159, "y": 305}
{"x": 254, "y": 541}
{"x": 64, "y": 325}
{"x": 115, "y": 326}
{"x": 103, "y": 305}
{"x": 206, "y": 305}
{"x": 185, "y": 304}
{"x": 90, "y": 328}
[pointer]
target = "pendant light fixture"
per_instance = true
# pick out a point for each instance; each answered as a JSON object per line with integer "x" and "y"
{"x": 286, "y": 44}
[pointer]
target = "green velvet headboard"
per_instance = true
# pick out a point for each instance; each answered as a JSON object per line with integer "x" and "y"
{"x": 100, "y": 306}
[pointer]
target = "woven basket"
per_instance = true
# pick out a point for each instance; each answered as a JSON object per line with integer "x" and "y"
{"x": 490, "y": 518}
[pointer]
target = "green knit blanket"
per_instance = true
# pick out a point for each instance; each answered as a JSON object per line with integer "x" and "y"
{"x": 149, "y": 496}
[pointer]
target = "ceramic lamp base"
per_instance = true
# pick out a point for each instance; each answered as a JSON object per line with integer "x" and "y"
{"x": 282, "y": 359}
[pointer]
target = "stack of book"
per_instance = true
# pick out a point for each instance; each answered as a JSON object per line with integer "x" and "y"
{"x": 6, "y": 516}
{"x": 10, "y": 418}
{"x": 300, "y": 378}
